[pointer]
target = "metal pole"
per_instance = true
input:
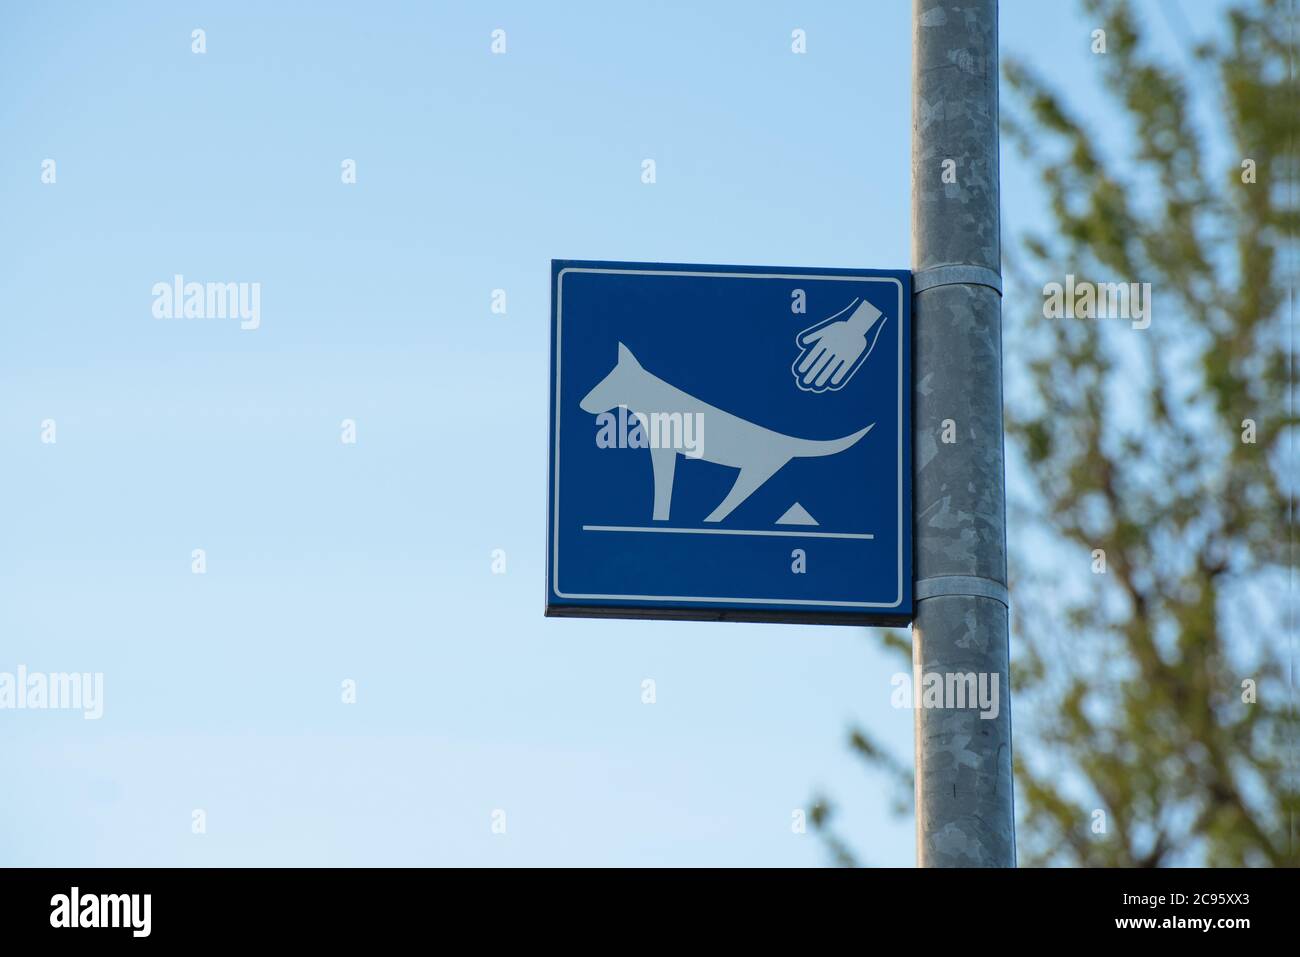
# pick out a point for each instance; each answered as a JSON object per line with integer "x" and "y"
{"x": 964, "y": 811}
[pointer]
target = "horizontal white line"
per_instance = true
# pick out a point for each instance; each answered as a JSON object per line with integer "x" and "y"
{"x": 723, "y": 531}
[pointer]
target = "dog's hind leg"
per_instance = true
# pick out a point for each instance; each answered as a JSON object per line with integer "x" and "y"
{"x": 664, "y": 463}
{"x": 747, "y": 482}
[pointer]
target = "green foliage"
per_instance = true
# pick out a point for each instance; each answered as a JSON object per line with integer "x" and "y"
{"x": 1128, "y": 685}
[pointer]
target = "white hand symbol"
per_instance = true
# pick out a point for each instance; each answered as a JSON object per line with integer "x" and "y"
{"x": 835, "y": 348}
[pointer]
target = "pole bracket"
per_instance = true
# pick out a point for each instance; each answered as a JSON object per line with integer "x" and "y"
{"x": 956, "y": 274}
{"x": 965, "y": 586}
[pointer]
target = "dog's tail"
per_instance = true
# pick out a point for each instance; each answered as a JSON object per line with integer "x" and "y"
{"x": 810, "y": 448}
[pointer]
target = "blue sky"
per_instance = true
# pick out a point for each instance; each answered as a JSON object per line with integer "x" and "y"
{"x": 372, "y": 561}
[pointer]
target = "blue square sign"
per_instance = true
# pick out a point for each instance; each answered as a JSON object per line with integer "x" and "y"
{"x": 730, "y": 442}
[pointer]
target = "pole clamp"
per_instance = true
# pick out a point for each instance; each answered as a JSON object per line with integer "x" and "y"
{"x": 964, "y": 586}
{"x": 962, "y": 274}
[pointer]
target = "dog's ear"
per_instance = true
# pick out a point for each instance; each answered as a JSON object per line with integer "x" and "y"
{"x": 625, "y": 356}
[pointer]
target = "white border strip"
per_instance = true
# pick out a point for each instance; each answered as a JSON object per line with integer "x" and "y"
{"x": 781, "y": 533}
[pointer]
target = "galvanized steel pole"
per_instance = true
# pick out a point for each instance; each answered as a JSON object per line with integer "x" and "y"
{"x": 964, "y": 809}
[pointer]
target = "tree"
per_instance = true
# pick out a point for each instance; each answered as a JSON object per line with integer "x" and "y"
{"x": 1154, "y": 600}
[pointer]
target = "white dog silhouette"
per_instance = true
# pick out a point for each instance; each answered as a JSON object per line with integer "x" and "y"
{"x": 758, "y": 452}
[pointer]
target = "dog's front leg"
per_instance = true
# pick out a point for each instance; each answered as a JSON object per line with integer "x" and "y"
{"x": 664, "y": 462}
